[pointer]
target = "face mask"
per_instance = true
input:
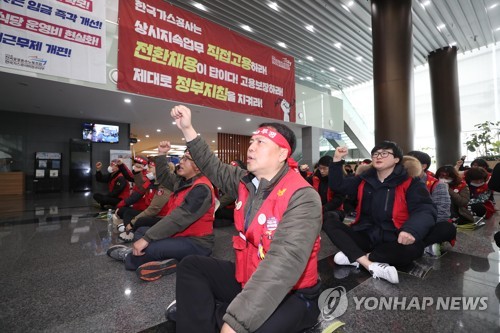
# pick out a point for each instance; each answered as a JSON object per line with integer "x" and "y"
{"x": 444, "y": 180}
{"x": 478, "y": 184}
{"x": 110, "y": 169}
{"x": 150, "y": 176}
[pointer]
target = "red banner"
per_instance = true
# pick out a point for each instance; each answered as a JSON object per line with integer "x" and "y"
{"x": 170, "y": 53}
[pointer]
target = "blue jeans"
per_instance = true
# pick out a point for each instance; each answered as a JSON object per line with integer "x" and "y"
{"x": 176, "y": 247}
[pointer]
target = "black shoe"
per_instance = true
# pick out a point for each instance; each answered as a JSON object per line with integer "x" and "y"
{"x": 154, "y": 270}
{"x": 171, "y": 312}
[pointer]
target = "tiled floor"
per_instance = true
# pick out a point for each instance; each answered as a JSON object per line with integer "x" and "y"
{"x": 55, "y": 277}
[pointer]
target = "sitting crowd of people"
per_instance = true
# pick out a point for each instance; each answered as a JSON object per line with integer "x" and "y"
{"x": 398, "y": 211}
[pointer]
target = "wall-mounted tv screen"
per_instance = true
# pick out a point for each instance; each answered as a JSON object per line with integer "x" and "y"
{"x": 101, "y": 133}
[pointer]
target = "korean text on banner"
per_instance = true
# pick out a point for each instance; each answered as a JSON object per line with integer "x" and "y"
{"x": 64, "y": 38}
{"x": 170, "y": 53}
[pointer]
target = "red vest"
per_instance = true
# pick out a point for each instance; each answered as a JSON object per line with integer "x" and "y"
{"x": 400, "y": 208}
{"x": 459, "y": 187}
{"x": 204, "y": 225}
{"x": 488, "y": 204}
{"x": 431, "y": 182}
{"x": 126, "y": 191}
{"x": 316, "y": 181}
{"x": 251, "y": 246}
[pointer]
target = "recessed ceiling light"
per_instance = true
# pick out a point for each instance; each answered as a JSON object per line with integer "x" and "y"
{"x": 453, "y": 43}
{"x": 299, "y": 61}
{"x": 301, "y": 78}
{"x": 158, "y": 130}
{"x": 310, "y": 27}
{"x": 497, "y": 29}
{"x": 350, "y": 4}
{"x": 327, "y": 85}
{"x": 127, "y": 100}
{"x": 345, "y": 7}
{"x": 246, "y": 27}
{"x": 332, "y": 69}
{"x": 173, "y": 123}
{"x": 337, "y": 45}
{"x": 183, "y": 139}
{"x": 213, "y": 141}
{"x": 219, "y": 128}
{"x": 273, "y": 5}
{"x": 199, "y": 6}
{"x": 322, "y": 71}
{"x": 309, "y": 78}
{"x": 138, "y": 140}
{"x": 283, "y": 45}
{"x": 359, "y": 58}
{"x": 199, "y": 134}
{"x": 426, "y": 3}
{"x": 147, "y": 135}
{"x": 493, "y": 6}
{"x": 310, "y": 58}
{"x": 350, "y": 78}
{"x": 441, "y": 26}
{"x": 248, "y": 119}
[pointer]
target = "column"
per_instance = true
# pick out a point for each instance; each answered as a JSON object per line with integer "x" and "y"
{"x": 310, "y": 145}
{"x": 445, "y": 104}
{"x": 393, "y": 71}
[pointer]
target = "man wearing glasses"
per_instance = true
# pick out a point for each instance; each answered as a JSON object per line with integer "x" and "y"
{"x": 187, "y": 227}
{"x": 394, "y": 213}
{"x": 273, "y": 284}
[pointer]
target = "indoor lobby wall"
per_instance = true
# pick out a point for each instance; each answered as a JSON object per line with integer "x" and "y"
{"x": 41, "y": 133}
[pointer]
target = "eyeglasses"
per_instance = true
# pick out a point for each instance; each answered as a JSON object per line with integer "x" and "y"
{"x": 382, "y": 154}
{"x": 185, "y": 158}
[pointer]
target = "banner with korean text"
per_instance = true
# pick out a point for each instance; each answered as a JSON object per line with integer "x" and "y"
{"x": 63, "y": 38}
{"x": 170, "y": 53}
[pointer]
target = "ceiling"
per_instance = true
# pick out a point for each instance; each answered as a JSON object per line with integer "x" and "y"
{"x": 468, "y": 24}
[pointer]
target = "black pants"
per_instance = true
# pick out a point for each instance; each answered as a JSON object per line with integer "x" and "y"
{"x": 440, "y": 233}
{"x": 104, "y": 200}
{"x": 356, "y": 244}
{"x": 205, "y": 288}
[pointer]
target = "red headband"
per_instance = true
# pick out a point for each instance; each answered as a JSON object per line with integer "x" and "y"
{"x": 280, "y": 140}
{"x": 275, "y": 136}
{"x": 140, "y": 160}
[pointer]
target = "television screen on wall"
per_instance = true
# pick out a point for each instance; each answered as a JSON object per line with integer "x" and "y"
{"x": 101, "y": 133}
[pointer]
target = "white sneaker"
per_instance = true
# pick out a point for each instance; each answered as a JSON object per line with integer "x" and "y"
{"x": 341, "y": 259}
{"x": 433, "y": 250}
{"x": 384, "y": 271}
{"x": 126, "y": 236}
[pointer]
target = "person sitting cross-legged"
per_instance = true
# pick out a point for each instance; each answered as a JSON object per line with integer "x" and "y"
{"x": 394, "y": 213}
{"x": 186, "y": 229}
{"x": 273, "y": 284}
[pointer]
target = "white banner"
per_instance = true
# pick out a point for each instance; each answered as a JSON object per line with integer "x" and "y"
{"x": 63, "y": 38}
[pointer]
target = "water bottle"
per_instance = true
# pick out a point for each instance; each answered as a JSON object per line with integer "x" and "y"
{"x": 110, "y": 221}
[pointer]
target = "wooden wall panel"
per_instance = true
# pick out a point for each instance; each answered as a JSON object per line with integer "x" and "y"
{"x": 232, "y": 147}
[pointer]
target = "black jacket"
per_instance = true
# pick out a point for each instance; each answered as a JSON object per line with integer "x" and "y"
{"x": 378, "y": 202}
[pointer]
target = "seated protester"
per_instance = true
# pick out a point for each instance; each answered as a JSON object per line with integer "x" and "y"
{"x": 118, "y": 187}
{"x": 481, "y": 197}
{"x": 273, "y": 285}
{"x": 394, "y": 213}
{"x": 142, "y": 192}
{"x": 186, "y": 229}
{"x": 481, "y": 163}
{"x": 331, "y": 202}
{"x": 224, "y": 215}
{"x": 157, "y": 209}
{"x": 441, "y": 232}
{"x": 459, "y": 194}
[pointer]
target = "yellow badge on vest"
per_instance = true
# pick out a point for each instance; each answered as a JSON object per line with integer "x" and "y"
{"x": 281, "y": 192}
